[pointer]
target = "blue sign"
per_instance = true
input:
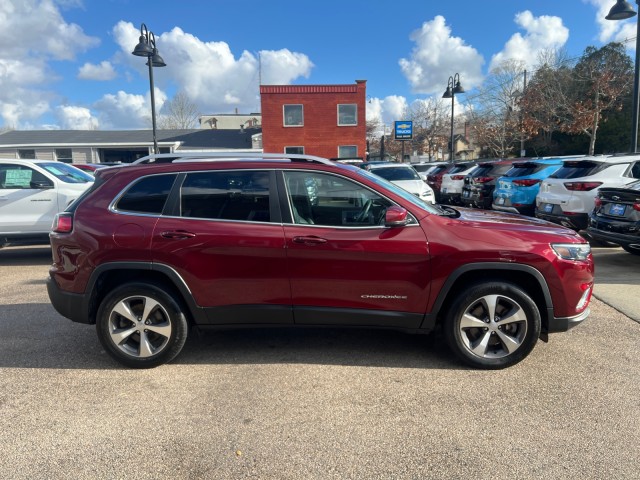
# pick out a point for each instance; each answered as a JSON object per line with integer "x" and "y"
{"x": 403, "y": 130}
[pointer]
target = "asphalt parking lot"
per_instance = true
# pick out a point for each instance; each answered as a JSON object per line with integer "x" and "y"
{"x": 317, "y": 404}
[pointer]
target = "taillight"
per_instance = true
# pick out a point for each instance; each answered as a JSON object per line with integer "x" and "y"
{"x": 457, "y": 177}
{"x": 528, "y": 182}
{"x": 636, "y": 206}
{"x": 581, "y": 186}
{"x": 482, "y": 179}
{"x": 62, "y": 223}
{"x": 597, "y": 202}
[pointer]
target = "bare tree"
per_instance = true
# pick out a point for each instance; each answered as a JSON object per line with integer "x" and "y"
{"x": 541, "y": 101}
{"x": 495, "y": 119}
{"x": 178, "y": 113}
{"x": 430, "y": 124}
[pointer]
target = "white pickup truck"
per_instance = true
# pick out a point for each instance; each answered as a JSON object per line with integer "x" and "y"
{"x": 32, "y": 192}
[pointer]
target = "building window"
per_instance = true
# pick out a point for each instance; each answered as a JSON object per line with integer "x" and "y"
{"x": 347, "y": 151}
{"x": 293, "y": 116}
{"x": 27, "y": 154}
{"x": 64, "y": 155}
{"x": 294, "y": 150}
{"x": 348, "y": 114}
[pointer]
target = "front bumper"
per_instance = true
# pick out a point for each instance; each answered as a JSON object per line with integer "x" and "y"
{"x": 562, "y": 324}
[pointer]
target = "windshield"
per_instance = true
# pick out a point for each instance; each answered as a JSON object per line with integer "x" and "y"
{"x": 67, "y": 173}
{"x": 409, "y": 197}
{"x": 397, "y": 173}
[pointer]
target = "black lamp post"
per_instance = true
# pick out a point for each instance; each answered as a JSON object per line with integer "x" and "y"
{"x": 453, "y": 87}
{"x": 621, "y": 11}
{"x": 147, "y": 48}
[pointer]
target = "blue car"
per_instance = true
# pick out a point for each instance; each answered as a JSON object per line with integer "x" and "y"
{"x": 516, "y": 191}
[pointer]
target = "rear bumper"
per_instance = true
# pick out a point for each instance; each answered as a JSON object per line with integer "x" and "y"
{"x": 450, "y": 198}
{"x": 632, "y": 241}
{"x": 522, "y": 210}
{"x": 70, "y": 305}
{"x": 577, "y": 222}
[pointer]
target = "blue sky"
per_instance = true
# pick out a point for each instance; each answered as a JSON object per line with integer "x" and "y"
{"x": 68, "y": 63}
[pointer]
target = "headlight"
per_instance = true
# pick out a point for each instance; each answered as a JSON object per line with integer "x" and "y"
{"x": 571, "y": 251}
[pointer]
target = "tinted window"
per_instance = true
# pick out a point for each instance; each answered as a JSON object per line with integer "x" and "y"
{"x": 480, "y": 171}
{"x": 437, "y": 169}
{"x": 499, "y": 170}
{"x": 422, "y": 168}
{"x": 459, "y": 168}
{"x": 396, "y": 173}
{"x": 234, "y": 195}
{"x": 523, "y": 169}
{"x": 579, "y": 169}
{"x": 148, "y": 195}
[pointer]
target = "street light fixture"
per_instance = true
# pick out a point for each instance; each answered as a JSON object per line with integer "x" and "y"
{"x": 453, "y": 87}
{"x": 621, "y": 11}
{"x": 147, "y": 48}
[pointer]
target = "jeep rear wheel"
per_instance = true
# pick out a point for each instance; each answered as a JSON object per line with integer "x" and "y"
{"x": 141, "y": 326}
{"x": 492, "y": 325}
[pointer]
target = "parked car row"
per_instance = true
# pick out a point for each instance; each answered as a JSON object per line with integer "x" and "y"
{"x": 597, "y": 194}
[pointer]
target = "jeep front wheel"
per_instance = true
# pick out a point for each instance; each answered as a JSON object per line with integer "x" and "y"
{"x": 141, "y": 326}
{"x": 492, "y": 325}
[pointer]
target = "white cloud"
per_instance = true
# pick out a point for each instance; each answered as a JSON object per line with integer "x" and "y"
{"x": 613, "y": 30}
{"x": 208, "y": 72}
{"x": 102, "y": 72}
{"x": 386, "y": 110}
{"x": 127, "y": 111}
{"x": 76, "y": 118}
{"x": 33, "y": 33}
{"x": 541, "y": 33}
{"x": 437, "y": 55}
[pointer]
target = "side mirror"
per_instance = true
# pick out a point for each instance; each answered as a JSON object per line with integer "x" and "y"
{"x": 396, "y": 217}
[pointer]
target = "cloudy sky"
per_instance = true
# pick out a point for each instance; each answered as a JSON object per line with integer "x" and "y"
{"x": 67, "y": 64}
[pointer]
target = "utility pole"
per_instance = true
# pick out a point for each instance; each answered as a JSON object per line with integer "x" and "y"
{"x": 524, "y": 89}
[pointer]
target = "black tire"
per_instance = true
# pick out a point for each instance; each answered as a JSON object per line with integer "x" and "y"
{"x": 634, "y": 251}
{"x": 164, "y": 329}
{"x": 492, "y": 343}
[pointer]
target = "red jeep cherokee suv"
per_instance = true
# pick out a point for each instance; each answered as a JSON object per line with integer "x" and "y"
{"x": 216, "y": 240}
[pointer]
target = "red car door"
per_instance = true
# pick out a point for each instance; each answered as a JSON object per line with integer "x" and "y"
{"x": 226, "y": 247}
{"x": 341, "y": 260}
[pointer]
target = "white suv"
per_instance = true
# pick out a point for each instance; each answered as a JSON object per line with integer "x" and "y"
{"x": 452, "y": 183}
{"x": 406, "y": 177}
{"x": 32, "y": 192}
{"x": 568, "y": 195}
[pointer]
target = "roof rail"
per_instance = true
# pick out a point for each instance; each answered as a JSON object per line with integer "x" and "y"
{"x": 210, "y": 156}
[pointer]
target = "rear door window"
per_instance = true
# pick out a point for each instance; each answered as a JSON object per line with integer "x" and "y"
{"x": 147, "y": 195}
{"x": 227, "y": 195}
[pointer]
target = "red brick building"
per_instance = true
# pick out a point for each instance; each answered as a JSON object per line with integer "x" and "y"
{"x": 323, "y": 120}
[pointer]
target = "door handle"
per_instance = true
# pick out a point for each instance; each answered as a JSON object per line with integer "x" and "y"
{"x": 309, "y": 240}
{"x": 178, "y": 234}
